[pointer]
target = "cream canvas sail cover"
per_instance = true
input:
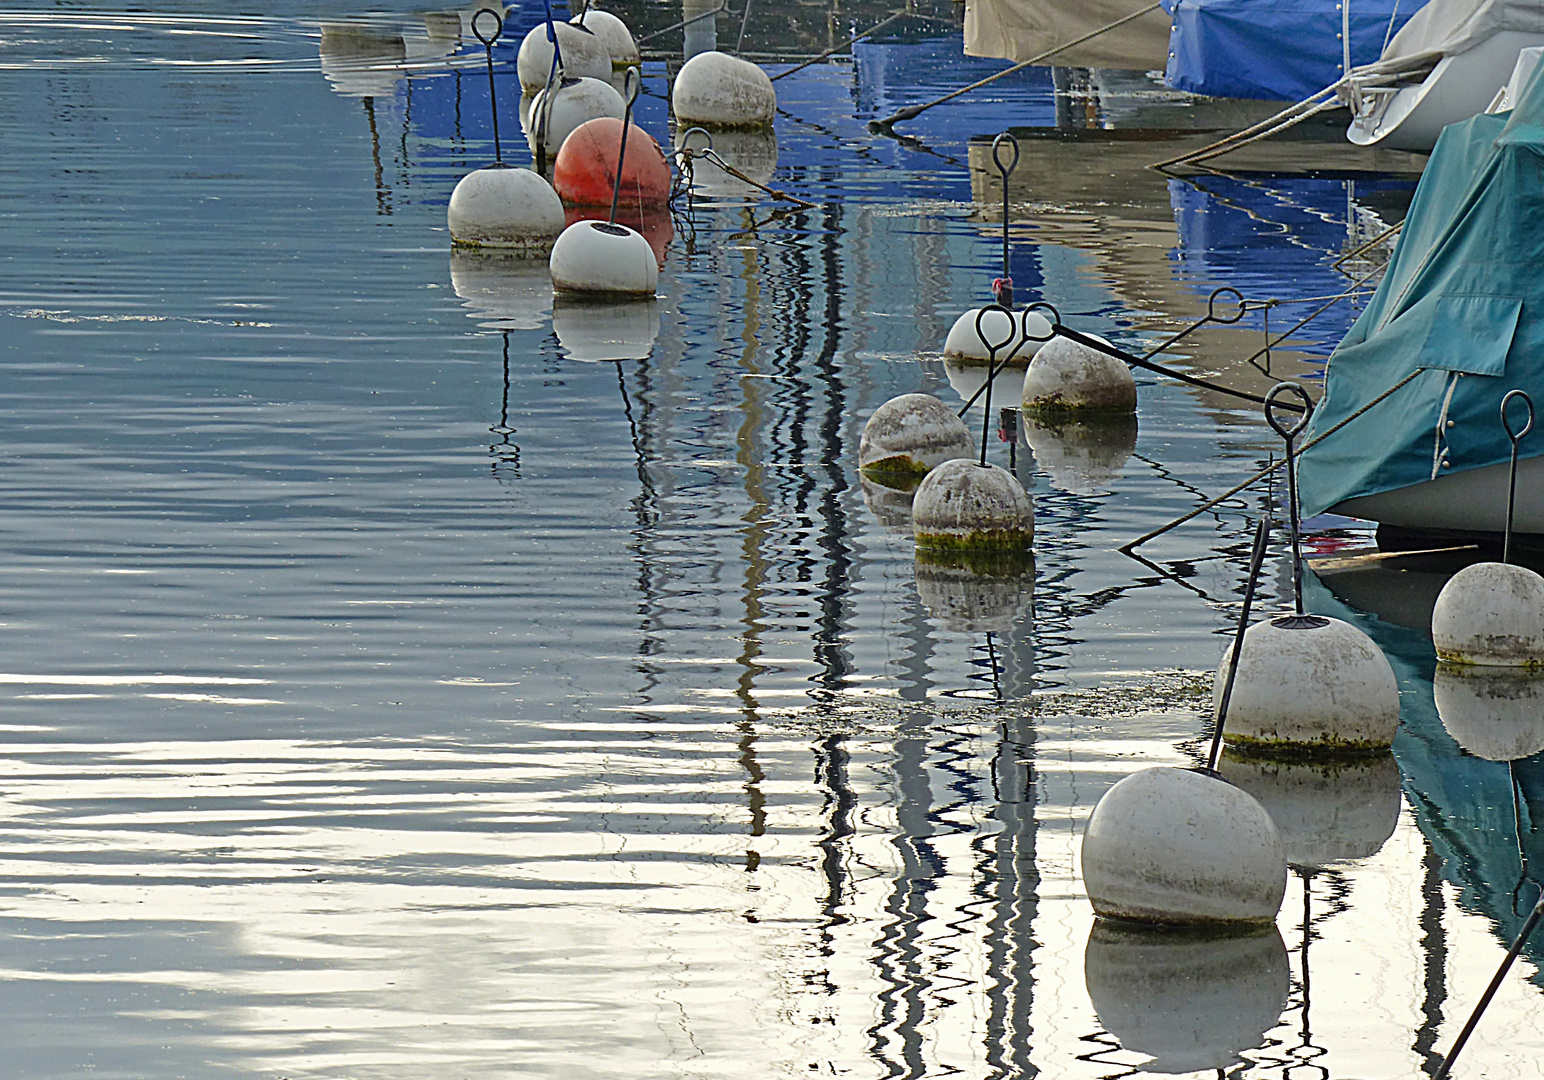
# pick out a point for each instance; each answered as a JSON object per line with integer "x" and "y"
{"x": 1448, "y": 27}
{"x": 1020, "y": 29}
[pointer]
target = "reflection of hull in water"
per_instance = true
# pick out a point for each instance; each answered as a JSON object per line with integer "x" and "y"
{"x": 1471, "y": 501}
{"x": 1457, "y": 88}
{"x": 1019, "y": 29}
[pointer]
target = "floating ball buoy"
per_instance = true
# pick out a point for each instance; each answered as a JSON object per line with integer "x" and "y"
{"x": 1192, "y": 1002}
{"x": 585, "y": 173}
{"x": 964, "y": 345}
{"x": 653, "y": 223}
{"x": 752, "y": 152}
{"x": 500, "y": 207}
{"x": 584, "y": 56}
{"x": 716, "y": 90}
{"x": 1493, "y": 713}
{"x": 1307, "y": 684}
{"x": 503, "y": 291}
{"x": 967, "y": 378}
{"x": 613, "y": 34}
{"x": 1490, "y": 614}
{"x": 1067, "y": 376}
{"x": 599, "y": 258}
{"x": 589, "y": 329}
{"x": 1324, "y": 812}
{"x": 970, "y": 597}
{"x": 575, "y": 102}
{"x": 908, "y": 436}
{"x": 964, "y": 506}
{"x": 1176, "y": 847}
{"x": 891, "y": 506}
{"x": 1083, "y": 454}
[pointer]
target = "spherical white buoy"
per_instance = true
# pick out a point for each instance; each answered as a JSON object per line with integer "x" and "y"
{"x": 966, "y": 377}
{"x": 1324, "y": 812}
{"x": 500, "y": 207}
{"x": 1067, "y": 376}
{"x": 585, "y": 56}
{"x": 891, "y": 506}
{"x": 598, "y": 258}
{"x": 909, "y": 435}
{"x": 575, "y": 102}
{"x": 1191, "y": 1002}
{"x": 503, "y": 291}
{"x": 963, "y": 506}
{"x": 1083, "y": 454}
{"x": 964, "y": 345}
{"x": 716, "y": 90}
{"x": 1309, "y": 684}
{"x": 972, "y": 599}
{"x": 613, "y": 34}
{"x": 1494, "y": 713}
{"x": 1178, "y": 847}
{"x": 752, "y": 152}
{"x": 1490, "y": 614}
{"x": 590, "y": 329}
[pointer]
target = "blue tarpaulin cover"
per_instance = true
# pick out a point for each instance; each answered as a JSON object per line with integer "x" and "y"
{"x": 1278, "y": 49}
{"x": 1462, "y": 301}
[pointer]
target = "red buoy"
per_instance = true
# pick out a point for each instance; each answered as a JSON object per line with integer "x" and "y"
{"x": 586, "y": 168}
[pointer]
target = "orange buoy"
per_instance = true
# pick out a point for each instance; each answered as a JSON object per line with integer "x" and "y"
{"x": 586, "y": 169}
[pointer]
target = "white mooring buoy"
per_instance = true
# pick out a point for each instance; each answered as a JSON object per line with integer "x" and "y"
{"x": 602, "y": 258}
{"x": 716, "y": 90}
{"x": 1493, "y": 712}
{"x": 1490, "y": 614}
{"x": 613, "y": 34}
{"x": 963, "y": 505}
{"x": 1027, "y": 328}
{"x": 1191, "y": 1002}
{"x": 585, "y": 56}
{"x": 1176, "y": 847}
{"x": 1307, "y": 683}
{"x": 1068, "y": 377}
{"x": 502, "y": 207}
{"x": 575, "y": 102}
{"x": 910, "y": 435}
{"x": 1324, "y": 812}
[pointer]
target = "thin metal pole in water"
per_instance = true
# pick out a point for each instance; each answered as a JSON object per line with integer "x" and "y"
{"x": 1490, "y": 991}
{"x": 1289, "y": 436}
{"x": 1256, "y": 560}
{"x": 1002, "y": 288}
{"x": 1511, "y": 483}
{"x": 745, "y": 18}
{"x": 991, "y": 366}
{"x": 630, "y": 83}
{"x": 493, "y": 99}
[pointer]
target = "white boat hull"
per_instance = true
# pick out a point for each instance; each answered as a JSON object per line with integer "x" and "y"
{"x": 1466, "y": 502}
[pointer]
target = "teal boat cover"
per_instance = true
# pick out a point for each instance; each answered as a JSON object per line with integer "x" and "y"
{"x": 1462, "y": 302}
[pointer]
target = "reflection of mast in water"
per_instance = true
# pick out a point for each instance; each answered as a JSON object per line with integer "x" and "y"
{"x": 506, "y": 455}
{"x": 1434, "y": 945}
{"x": 1012, "y": 880}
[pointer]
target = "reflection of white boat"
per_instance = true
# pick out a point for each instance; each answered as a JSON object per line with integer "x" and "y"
{"x": 1445, "y": 65}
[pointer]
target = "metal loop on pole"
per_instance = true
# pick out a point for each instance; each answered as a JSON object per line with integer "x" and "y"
{"x": 1211, "y": 305}
{"x": 1005, "y": 170}
{"x": 1054, "y": 320}
{"x": 1273, "y": 402}
{"x": 1515, "y": 437}
{"x": 1506, "y": 423}
{"x": 498, "y": 26}
{"x": 992, "y": 348}
{"x": 632, "y": 83}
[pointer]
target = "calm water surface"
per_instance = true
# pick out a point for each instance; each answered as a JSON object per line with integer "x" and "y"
{"x": 391, "y": 693}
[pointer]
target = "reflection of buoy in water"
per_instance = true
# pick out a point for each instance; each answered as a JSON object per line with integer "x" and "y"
{"x": 584, "y": 56}
{"x": 971, "y": 597}
{"x": 1490, "y": 614}
{"x": 752, "y": 152}
{"x": 967, "y": 377}
{"x": 1081, "y": 454}
{"x": 716, "y": 90}
{"x": 890, "y": 505}
{"x": 965, "y": 506}
{"x": 1494, "y": 713}
{"x": 613, "y": 34}
{"x": 585, "y": 173}
{"x": 1324, "y": 812}
{"x": 599, "y": 258}
{"x": 1176, "y": 847}
{"x": 510, "y": 292}
{"x": 964, "y": 345}
{"x": 1192, "y": 1002}
{"x": 575, "y": 102}
{"x": 653, "y": 224}
{"x": 909, "y": 435}
{"x": 500, "y": 207}
{"x": 1307, "y": 683}
{"x": 590, "y": 329}
{"x": 1067, "y": 376}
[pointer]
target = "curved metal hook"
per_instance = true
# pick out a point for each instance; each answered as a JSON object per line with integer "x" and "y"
{"x": 1211, "y": 305}
{"x": 632, "y": 83}
{"x": 1516, "y": 436}
{"x": 686, "y": 139}
{"x": 498, "y": 27}
{"x": 1005, "y": 170}
{"x": 1271, "y": 405}
{"x": 1054, "y": 320}
{"x": 991, "y": 348}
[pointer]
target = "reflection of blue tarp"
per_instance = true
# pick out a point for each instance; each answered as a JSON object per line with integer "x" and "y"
{"x": 1463, "y": 301}
{"x": 1286, "y": 49}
